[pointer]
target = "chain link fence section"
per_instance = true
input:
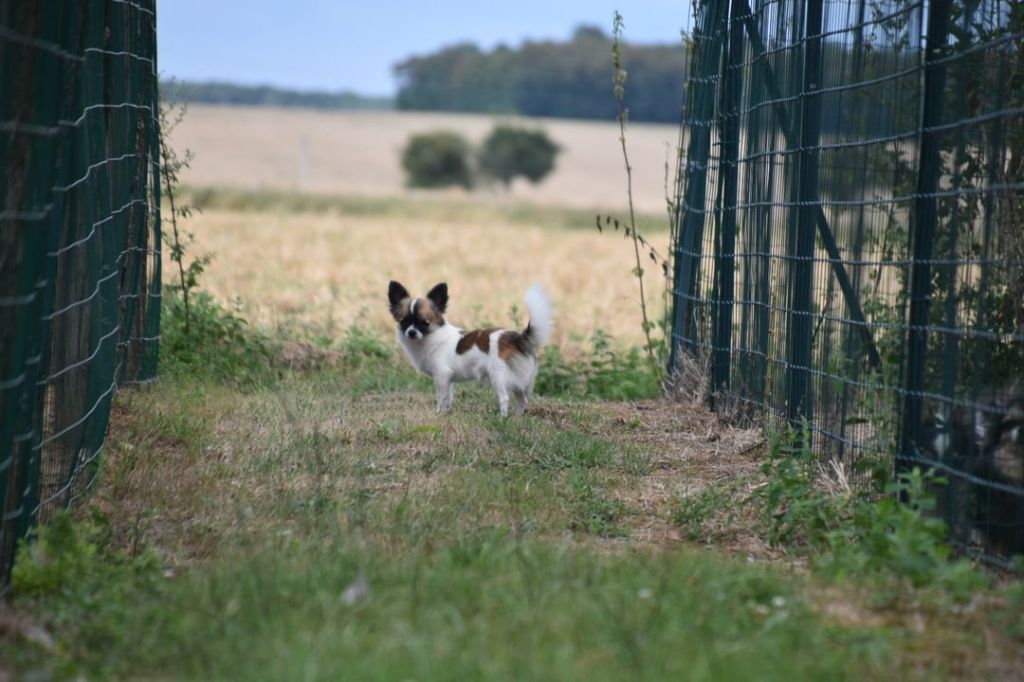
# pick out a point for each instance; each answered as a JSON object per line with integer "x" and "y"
{"x": 849, "y": 255}
{"x": 79, "y": 241}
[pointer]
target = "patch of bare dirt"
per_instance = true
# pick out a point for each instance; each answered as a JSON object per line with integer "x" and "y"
{"x": 303, "y": 356}
{"x": 690, "y": 450}
{"x": 149, "y": 487}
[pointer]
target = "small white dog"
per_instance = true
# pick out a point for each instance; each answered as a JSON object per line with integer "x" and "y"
{"x": 504, "y": 358}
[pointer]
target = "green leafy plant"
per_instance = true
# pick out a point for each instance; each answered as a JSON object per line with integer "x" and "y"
{"x": 437, "y": 159}
{"x": 898, "y": 534}
{"x": 655, "y": 347}
{"x": 619, "y": 79}
{"x": 87, "y": 587}
{"x": 510, "y": 152}
{"x": 618, "y": 375}
{"x": 360, "y": 344}
{"x": 59, "y": 554}
{"x": 887, "y": 533}
{"x": 605, "y": 373}
{"x": 218, "y": 344}
{"x": 796, "y": 512}
{"x": 178, "y": 241}
{"x": 198, "y": 334}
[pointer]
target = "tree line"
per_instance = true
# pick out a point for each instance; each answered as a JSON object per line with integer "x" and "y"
{"x": 567, "y": 79}
{"x": 220, "y": 92}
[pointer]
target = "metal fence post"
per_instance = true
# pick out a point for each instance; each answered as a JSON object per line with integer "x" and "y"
{"x": 700, "y": 109}
{"x": 725, "y": 259}
{"x": 800, "y": 327}
{"x": 923, "y": 228}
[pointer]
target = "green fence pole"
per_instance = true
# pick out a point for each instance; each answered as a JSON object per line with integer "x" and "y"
{"x": 800, "y": 322}
{"x": 922, "y": 232}
{"x": 725, "y": 265}
{"x": 700, "y": 109}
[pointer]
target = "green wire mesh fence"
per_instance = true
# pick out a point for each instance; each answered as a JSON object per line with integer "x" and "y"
{"x": 849, "y": 254}
{"x": 79, "y": 241}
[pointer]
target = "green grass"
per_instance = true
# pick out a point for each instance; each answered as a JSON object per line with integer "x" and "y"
{"x": 433, "y": 208}
{"x": 483, "y": 605}
{"x": 325, "y": 523}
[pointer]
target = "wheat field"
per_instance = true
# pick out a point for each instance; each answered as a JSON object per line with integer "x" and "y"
{"x": 329, "y": 268}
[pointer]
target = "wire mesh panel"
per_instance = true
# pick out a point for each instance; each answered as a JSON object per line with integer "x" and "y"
{"x": 850, "y": 252}
{"x": 79, "y": 241}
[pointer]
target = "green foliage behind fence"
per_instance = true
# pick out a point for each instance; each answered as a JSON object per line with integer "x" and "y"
{"x": 79, "y": 241}
{"x": 850, "y": 243}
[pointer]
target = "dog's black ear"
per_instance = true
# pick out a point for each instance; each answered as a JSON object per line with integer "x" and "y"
{"x": 396, "y": 292}
{"x": 439, "y": 295}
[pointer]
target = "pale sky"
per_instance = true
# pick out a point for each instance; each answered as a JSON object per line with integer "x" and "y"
{"x": 345, "y": 45}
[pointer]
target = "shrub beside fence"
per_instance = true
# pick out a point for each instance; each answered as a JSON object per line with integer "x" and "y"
{"x": 849, "y": 254}
{"x": 79, "y": 241}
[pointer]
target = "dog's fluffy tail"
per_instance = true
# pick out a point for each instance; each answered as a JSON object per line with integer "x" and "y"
{"x": 538, "y": 331}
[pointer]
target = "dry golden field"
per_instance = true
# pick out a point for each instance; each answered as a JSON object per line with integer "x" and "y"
{"x": 357, "y": 153}
{"x": 331, "y": 269}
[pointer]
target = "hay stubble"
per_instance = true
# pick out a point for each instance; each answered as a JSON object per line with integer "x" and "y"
{"x": 332, "y": 269}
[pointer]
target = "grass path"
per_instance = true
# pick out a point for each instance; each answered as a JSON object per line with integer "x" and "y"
{"x": 331, "y": 526}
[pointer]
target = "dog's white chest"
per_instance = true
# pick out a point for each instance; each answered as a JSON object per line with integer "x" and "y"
{"x": 431, "y": 355}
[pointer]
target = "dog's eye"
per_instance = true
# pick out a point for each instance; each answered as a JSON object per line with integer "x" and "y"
{"x": 416, "y": 321}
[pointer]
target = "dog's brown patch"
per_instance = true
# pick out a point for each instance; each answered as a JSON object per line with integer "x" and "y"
{"x": 481, "y": 338}
{"x": 510, "y": 343}
{"x": 426, "y": 309}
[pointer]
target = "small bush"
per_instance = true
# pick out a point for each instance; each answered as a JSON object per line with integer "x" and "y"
{"x": 437, "y": 159}
{"x": 510, "y": 152}
{"x": 87, "y": 590}
{"x": 854, "y": 535}
{"x": 359, "y": 344}
{"x": 219, "y": 344}
{"x": 606, "y": 374}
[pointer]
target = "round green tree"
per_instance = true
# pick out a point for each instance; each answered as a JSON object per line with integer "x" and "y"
{"x": 437, "y": 159}
{"x": 510, "y": 152}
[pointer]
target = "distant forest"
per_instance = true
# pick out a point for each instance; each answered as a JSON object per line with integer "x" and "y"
{"x": 265, "y": 95}
{"x": 568, "y": 79}
{"x": 562, "y": 79}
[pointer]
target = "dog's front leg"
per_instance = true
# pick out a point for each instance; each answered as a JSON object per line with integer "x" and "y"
{"x": 445, "y": 392}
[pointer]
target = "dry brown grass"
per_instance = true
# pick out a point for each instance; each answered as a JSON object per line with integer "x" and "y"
{"x": 186, "y": 477}
{"x": 357, "y": 152}
{"x": 332, "y": 269}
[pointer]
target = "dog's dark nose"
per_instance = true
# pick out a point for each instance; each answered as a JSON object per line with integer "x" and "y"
{"x": 413, "y": 333}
